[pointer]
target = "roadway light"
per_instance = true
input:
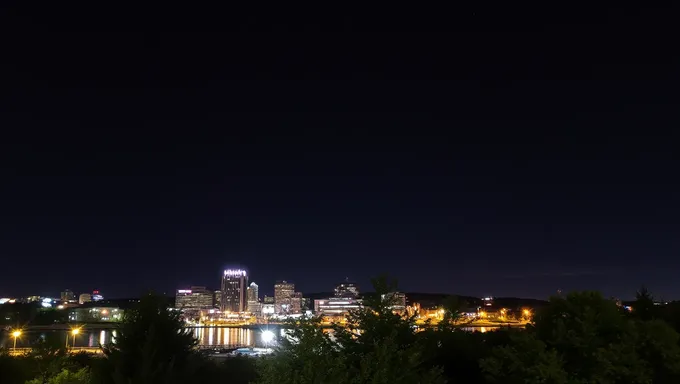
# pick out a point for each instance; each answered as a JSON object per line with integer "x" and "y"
{"x": 74, "y": 332}
{"x": 15, "y": 334}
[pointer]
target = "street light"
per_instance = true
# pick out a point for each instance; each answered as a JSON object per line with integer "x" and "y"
{"x": 74, "y": 332}
{"x": 15, "y": 334}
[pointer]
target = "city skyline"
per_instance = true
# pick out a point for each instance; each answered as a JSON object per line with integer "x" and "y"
{"x": 346, "y": 288}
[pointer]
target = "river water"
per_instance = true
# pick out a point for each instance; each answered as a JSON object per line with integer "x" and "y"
{"x": 226, "y": 337}
{"x": 91, "y": 337}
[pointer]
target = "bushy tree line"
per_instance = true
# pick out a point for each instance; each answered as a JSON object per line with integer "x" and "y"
{"x": 579, "y": 338}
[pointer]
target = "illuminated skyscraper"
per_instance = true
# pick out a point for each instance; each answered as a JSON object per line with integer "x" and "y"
{"x": 218, "y": 298}
{"x": 68, "y": 296}
{"x": 296, "y": 303}
{"x": 234, "y": 285}
{"x": 253, "y": 297}
{"x": 347, "y": 290}
{"x": 283, "y": 291}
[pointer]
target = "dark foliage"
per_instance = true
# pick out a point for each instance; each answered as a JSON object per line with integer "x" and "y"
{"x": 580, "y": 338}
{"x": 375, "y": 346}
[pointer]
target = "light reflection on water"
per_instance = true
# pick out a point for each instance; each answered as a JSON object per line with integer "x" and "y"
{"x": 231, "y": 337}
{"x": 212, "y": 336}
{"x": 209, "y": 336}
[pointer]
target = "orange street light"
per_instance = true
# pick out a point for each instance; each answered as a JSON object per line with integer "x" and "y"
{"x": 74, "y": 332}
{"x": 15, "y": 334}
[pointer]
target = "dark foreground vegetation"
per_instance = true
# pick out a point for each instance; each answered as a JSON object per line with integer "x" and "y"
{"x": 580, "y": 338}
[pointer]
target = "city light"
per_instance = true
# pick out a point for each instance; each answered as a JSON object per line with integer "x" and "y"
{"x": 74, "y": 332}
{"x": 267, "y": 336}
{"x": 15, "y": 334}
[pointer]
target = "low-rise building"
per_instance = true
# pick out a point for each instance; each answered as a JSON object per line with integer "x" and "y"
{"x": 84, "y": 298}
{"x": 196, "y": 298}
{"x": 95, "y": 314}
{"x": 396, "y": 301}
{"x": 336, "y": 306}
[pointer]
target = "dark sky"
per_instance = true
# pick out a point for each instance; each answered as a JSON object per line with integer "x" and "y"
{"x": 505, "y": 151}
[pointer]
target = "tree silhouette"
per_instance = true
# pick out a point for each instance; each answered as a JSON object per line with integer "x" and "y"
{"x": 643, "y": 307}
{"x": 65, "y": 376}
{"x": 593, "y": 342}
{"x": 151, "y": 345}
{"x": 375, "y": 346}
{"x": 49, "y": 356}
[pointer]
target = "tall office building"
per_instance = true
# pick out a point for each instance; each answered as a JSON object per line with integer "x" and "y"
{"x": 68, "y": 296}
{"x": 296, "y": 303}
{"x": 347, "y": 290}
{"x": 234, "y": 285}
{"x": 253, "y": 295}
{"x": 344, "y": 301}
{"x": 283, "y": 292}
{"x": 218, "y": 299}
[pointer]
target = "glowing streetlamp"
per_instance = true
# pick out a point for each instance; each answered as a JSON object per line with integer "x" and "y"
{"x": 16, "y": 335}
{"x": 75, "y": 332}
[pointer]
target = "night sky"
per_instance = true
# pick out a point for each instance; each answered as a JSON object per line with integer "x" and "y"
{"x": 481, "y": 151}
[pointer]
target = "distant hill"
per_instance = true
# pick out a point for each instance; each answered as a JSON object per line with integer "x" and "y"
{"x": 517, "y": 303}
